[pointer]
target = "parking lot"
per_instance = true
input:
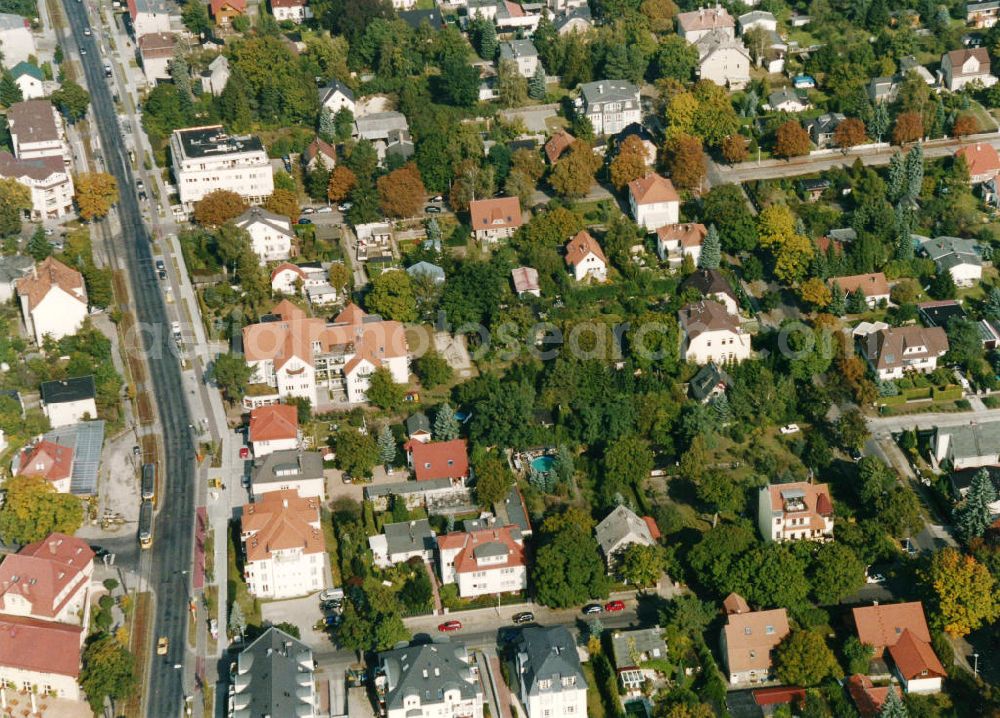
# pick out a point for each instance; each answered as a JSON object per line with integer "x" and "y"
{"x": 118, "y": 489}
{"x": 302, "y": 612}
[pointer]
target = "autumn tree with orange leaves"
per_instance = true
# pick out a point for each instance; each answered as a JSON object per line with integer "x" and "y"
{"x": 685, "y": 160}
{"x": 849, "y": 133}
{"x": 401, "y": 192}
{"x": 629, "y": 163}
{"x": 218, "y": 207}
{"x": 735, "y": 149}
{"x": 965, "y": 125}
{"x": 909, "y": 128}
{"x": 95, "y": 193}
{"x": 791, "y": 140}
{"x": 342, "y": 181}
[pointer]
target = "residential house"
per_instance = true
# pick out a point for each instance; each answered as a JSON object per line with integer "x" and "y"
{"x": 710, "y": 333}
{"x": 319, "y": 155}
{"x": 963, "y": 258}
{"x": 297, "y": 355}
{"x": 67, "y": 401}
{"x": 676, "y": 241}
{"x": 982, "y": 13}
{"x": 36, "y": 131}
{"x": 639, "y": 131}
{"x": 495, "y": 219}
{"x": 484, "y": 562}
{"x": 17, "y": 43}
{"x": 430, "y": 494}
{"x": 271, "y": 235}
{"x": 156, "y": 52}
{"x": 875, "y": 286}
{"x": 895, "y": 351}
{"x": 712, "y": 284}
{"x": 273, "y": 428}
{"x": 374, "y": 240}
{"x": 869, "y": 698}
{"x": 654, "y": 201}
{"x": 694, "y": 25}
{"x": 748, "y": 639}
{"x": 898, "y": 631}
{"x": 710, "y": 381}
{"x": 432, "y": 272}
{"x": 585, "y": 258}
{"x": 961, "y": 482}
{"x": 822, "y": 128}
{"x": 289, "y": 469}
{"x": 622, "y": 528}
{"x": 970, "y": 446}
{"x": 795, "y": 511}
{"x": 982, "y": 160}
{"x": 287, "y": 278}
{"x": 336, "y": 96}
{"x": 883, "y": 89}
{"x": 400, "y": 542}
{"x": 53, "y": 300}
{"x": 49, "y": 580}
{"x": 206, "y": 159}
{"x": 557, "y": 144}
{"x": 523, "y": 54}
{"x": 47, "y": 460}
{"x": 438, "y": 460}
{"x": 526, "y": 281}
{"x": 12, "y": 268}
{"x": 428, "y": 680}
{"x": 225, "y": 11}
{"x": 610, "y": 105}
{"x": 398, "y": 144}
{"x": 215, "y": 77}
{"x": 960, "y": 67}
{"x": 283, "y": 545}
{"x": 42, "y": 656}
{"x": 416, "y": 18}
{"x": 273, "y": 676}
{"x": 577, "y": 19}
{"x": 295, "y": 11}
{"x": 388, "y": 131}
{"x": 632, "y": 649}
{"x": 909, "y": 63}
{"x": 549, "y": 673}
{"x": 148, "y": 16}
{"x": 787, "y": 100}
{"x": 758, "y": 19}
{"x": 29, "y": 79}
{"x": 563, "y": 6}
{"x": 723, "y": 60}
{"x": 512, "y": 17}
{"x": 418, "y": 427}
{"x": 812, "y": 188}
{"x": 939, "y": 312}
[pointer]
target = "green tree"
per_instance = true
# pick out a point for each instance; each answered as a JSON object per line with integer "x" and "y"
{"x": 856, "y": 302}
{"x": 562, "y": 466}
{"x": 485, "y": 33}
{"x": 804, "y": 659}
{"x": 386, "y": 446}
{"x": 391, "y": 296}
{"x": 108, "y": 672}
{"x": 964, "y": 593}
{"x": 10, "y": 91}
{"x": 713, "y": 558}
{"x": 459, "y": 81}
{"x": 343, "y": 124}
{"x": 878, "y": 123}
{"x": 356, "y": 453}
{"x": 725, "y": 206}
{"x": 627, "y": 464}
{"x": 836, "y": 573}
{"x": 493, "y": 480}
{"x": 973, "y": 516}
{"x": 893, "y": 707}
{"x": 536, "y": 84}
{"x": 711, "y": 250}
{"x": 446, "y": 425}
{"x": 232, "y": 374}
{"x": 433, "y": 369}
{"x": 676, "y": 59}
{"x": 383, "y": 391}
{"x": 641, "y": 565}
{"x": 33, "y": 509}
{"x": 858, "y": 655}
{"x": 39, "y": 246}
{"x": 852, "y": 429}
{"x": 512, "y": 87}
{"x": 838, "y": 302}
{"x": 15, "y": 198}
{"x": 237, "y": 620}
{"x": 568, "y": 567}
{"x": 72, "y": 100}
{"x": 914, "y": 171}
{"x": 195, "y": 18}
{"x": 773, "y": 575}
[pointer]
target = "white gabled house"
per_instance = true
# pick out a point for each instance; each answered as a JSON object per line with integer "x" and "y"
{"x": 654, "y": 202}
{"x": 271, "y": 235}
{"x": 53, "y": 300}
{"x": 585, "y": 258}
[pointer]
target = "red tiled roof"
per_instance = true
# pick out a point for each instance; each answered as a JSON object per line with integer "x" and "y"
{"x": 710, "y": 18}
{"x": 557, "y": 144}
{"x": 281, "y": 520}
{"x": 318, "y": 146}
{"x": 287, "y": 266}
{"x": 915, "y": 658}
{"x": 654, "y": 530}
{"x": 47, "y": 459}
{"x": 981, "y": 158}
{"x": 468, "y": 542}
{"x": 273, "y": 423}
{"x": 883, "y": 624}
{"x": 690, "y": 234}
{"x": 866, "y": 696}
{"x": 872, "y": 285}
{"x": 49, "y": 274}
{"x": 40, "y": 646}
{"x": 43, "y": 570}
{"x": 439, "y": 459}
{"x": 238, "y": 6}
{"x": 498, "y": 213}
{"x": 778, "y": 695}
{"x": 582, "y": 245}
{"x": 735, "y": 603}
{"x": 824, "y": 242}
{"x": 287, "y": 3}
{"x": 750, "y": 637}
{"x": 653, "y": 189}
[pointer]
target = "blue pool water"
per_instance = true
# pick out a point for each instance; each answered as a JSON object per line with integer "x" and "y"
{"x": 542, "y": 464}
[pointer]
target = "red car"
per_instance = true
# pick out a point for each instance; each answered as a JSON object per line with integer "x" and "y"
{"x": 244, "y": 452}
{"x": 614, "y": 606}
{"x": 450, "y": 626}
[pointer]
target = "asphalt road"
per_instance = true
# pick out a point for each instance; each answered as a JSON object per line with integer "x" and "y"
{"x": 173, "y": 533}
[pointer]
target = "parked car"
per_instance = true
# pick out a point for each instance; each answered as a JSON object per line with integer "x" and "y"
{"x": 324, "y": 210}
{"x": 213, "y": 628}
{"x": 331, "y": 605}
{"x": 790, "y": 429}
{"x": 86, "y": 31}
{"x": 612, "y": 606}
{"x": 333, "y": 619}
{"x": 450, "y": 626}
{"x": 437, "y": 198}
{"x": 875, "y": 578}
{"x": 345, "y": 206}
{"x": 136, "y": 450}
{"x": 523, "y": 617}
{"x": 305, "y": 220}
{"x": 244, "y": 452}
{"x": 431, "y": 209}
{"x": 593, "y": 608}
{"x": 329, "y": 594}
{"x": 308, "y": 210}
{"x": 99, "y": 551}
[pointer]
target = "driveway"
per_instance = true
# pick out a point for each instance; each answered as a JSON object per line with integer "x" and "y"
{"x": 302, "y": 612}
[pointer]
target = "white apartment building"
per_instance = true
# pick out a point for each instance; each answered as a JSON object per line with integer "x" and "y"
{"x": 654, "y": 201}
{"x": 429, "y": 680}
{"x": 299, "y": 355}
{"x": 283, "y": 545}
{"x": 523, "y": 54}
{"x": 610, "y": 105}
{"x": 289, "y": 470}
{"x": 42, "y": 656}
{"x": 292, "y": 10}
{"x": 793, "y": 512}
{"x": 16, "y": 41}
{"x": 149, "y": 16}
{"x": 710, "y": 334}
{"x": 48, "y": 580}
{"x": 47, "y": 179}
{"x": 206, "y": 159}
{"x": 271, "y": 235}
{"x": 483, "y": 562}
{"x": 549, "y": 673}
{"x": 36, "y": 131}
{"x": 53, "y": 299}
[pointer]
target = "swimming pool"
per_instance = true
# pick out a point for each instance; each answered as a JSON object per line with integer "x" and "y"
{"x": 542, "y": 464}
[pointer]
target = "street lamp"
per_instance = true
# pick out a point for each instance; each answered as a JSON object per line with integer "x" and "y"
{"x": 975, "y": 666}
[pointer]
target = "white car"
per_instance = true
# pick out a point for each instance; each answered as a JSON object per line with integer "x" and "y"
{"x": 324, "y": 210}
{"x": 308, "y": 210}
{"x": 213, "y": 628}
{"x": 790, "y": 429}
{"x": 86, "y": 31}
{"x": 331, "y": 594}
{"x": 875, "y": 578}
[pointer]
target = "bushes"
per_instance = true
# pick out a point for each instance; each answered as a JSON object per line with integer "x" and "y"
{"x": 607, "y": 684}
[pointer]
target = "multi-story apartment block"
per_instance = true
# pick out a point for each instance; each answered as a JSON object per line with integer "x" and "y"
{"x": 549, "y": 673}
{"x": 298, "y": 355}
{"x": 283, "y": 546}
{"x": 47, "y": 179}
{"x": 790, "y": 512}
{"x": 431, "y": 680}
{"x": 610, "y": 105}
{"x": 36, "y": 131}
{"x": 483, "y": 562}
{"x": 206, "y": 159}
{"x": 273, "y": 676}
{"x": 48, "y": 580}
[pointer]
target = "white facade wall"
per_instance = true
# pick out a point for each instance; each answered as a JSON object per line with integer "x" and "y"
{"x": 63, "y": 686}
{"x": 70, "y": 412}
{"x": 287, "y": 574}
{"x": 490, "y": 581}
{"x": 263, "y": 448}
{"x": 966, "y": 275}
{"x": 57, "y": 315}
{"x": 451, "y": 705}
{"x": 294, "y": 14}
{"x": 612, "y": 117}
{"x": 305, "y": 487}
{"x": 922, "y": 685}
{"x": 52, "y": 197}
{"x": 718, "y": 346}
{"x": 570, "y": 701}
{"x": 727, "y": 67}
{"x": 922, "y": 366}
{"x": 246, "y": 173}
{"x": 145, "y": 23}
{"x": 31, "y": 87}
{"x": 655, "y": 215}
{"x": 269, "y": 243}
{"x": 590, "y": 266}
{"x": 72, "y": 612}
{"x": 156, "y": 68}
